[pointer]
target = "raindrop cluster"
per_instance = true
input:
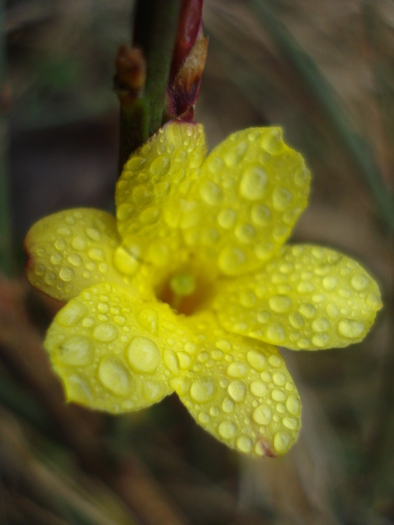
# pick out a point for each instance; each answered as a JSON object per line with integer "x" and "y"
{"x": 305, "y": 298}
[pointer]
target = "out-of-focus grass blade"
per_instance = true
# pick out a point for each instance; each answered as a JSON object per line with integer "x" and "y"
{"x": 5, "y": 223}
{"x": 320, "y": 89}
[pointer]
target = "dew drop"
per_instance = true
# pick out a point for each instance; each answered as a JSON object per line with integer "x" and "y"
{"x": 171, "y": 360}
{"x": 125, "y": 262}
{"x": 152, "y": 390}
{"x": 278, "y": 395}
{"x": 96, "y": 254}
{"x": 64, "y": 232}
{"x": 272, "y": 142}
{"x": 245, "y": 233}
{"x": 231, "y": 260}
{"x": 256, "y": 360}
{"x": 282, "y": 441}
{"x": 227, "y": 429}
{"x": 275, "y": 361}
{"x": 203, "y": 390}
{"x": 149, "y": 320}
{"x": 330, "y": 283}
{"x": 78, "y": 243}
{"x": 39, "y": 270}
{"x": 143, "y": 355}
{"x": 262, "y": 415}
{"x": 276, "y": 333}
{"x": 261, "y": 215}
{"x": 350, "y": 328}
{"x": 281, "y": 198}
{"x": 293, "y": 405}
{"x": 77, "y": 350}
{"x": 244, "y": 444}
{"x": 258, "y": 389}
{"x": 247, "y": 299}
{"x": 237, "y": 369}
{"x": 60, "y": 245}
{"x": 307, "y": 310}
{"x": 105, "y": 332}
{"x": 203, "y": 418}
{"x": 359, "y": 282}
{"x": 296, "y": 320}
{"x": 160, "y": 166}
{"x": 320, "y": 325}
{"x": 253, "y": 183}
{"x": 93, "y": 234}
{"x": 234, "y": 155}
{"x": 279, "y": 303}
{"x": 290, "y": 422}
{"x": 71, "y": 314}
{"x": 211, "y": 193}
{"x": 75, "y": 260}
{"x": 332, "y": 310}
{"x": 226, "y": 218}
{"x": 237, "y": 391}
{"x": 115, "y": 377}
{"x": 227, "y": 405}
{"x": 320, "y": 340}
{"x": 279, "y": 378}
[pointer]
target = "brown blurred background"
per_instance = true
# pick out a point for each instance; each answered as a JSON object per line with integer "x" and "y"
{"x": 324, "y": 70}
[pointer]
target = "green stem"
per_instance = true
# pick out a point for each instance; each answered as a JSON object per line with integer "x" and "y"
{"x": 5, "y": 222}
{"x": 155, "y": 31}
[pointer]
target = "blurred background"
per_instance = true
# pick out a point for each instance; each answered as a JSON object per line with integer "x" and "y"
{"x": 324, "y": 70}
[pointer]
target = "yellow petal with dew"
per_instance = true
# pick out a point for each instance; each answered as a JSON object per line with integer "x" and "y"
{"x": 151, "y": 192}
{"x": 115, "y": 353}
{"x": 306, "y": 298}
{"x": 240, "y": 391}
{"x": 74, "y": 249}
{"x": 250, "y": 193}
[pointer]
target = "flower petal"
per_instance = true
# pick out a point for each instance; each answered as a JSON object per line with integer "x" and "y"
{"x": 307, "y": 298}
{"x": 72, "y": 250}
{"x": 114, "y": 353}
{"x": 251, "y": 191}
{"x": 240, "y": 391}
{"x": 150, "y": 194}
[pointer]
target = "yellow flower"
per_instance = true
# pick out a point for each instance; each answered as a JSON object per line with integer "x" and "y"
{"x": 189, "y": 288}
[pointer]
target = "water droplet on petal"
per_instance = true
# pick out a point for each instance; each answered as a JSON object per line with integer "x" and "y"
{"x": 227, "y": 405}
{"x": 279, "y": 303}
{"x": 115, "y": 377}
{"x": 211, "y": 193}
{"x": 77, "y": 350}
{"x": 203, "y": 390}
{"x": 244, "y": 444}
{"x": 226, "y": 218}
{"x": 262, "y": 415}
{"x": 256, "y": 360}
{"x": 160, "y": 166}
{"x": 253, "y": 183}
{"x": 350, "y": 328}
{"x": 93, "y": 234}
{"x": 258, "y": 389}
{"x": 152, "y": 390}
{"x": 66, "y": 274}
{"x": 281, "y": 198}
{"x": 71, "y": 314}
{"x": 227, "y": 429}
{"x": 330, "y": 283}
{"x": 237, "y": 369}
{"x": 231, "y": 260}
{"x": 78, "y": 243}
{"x": 105, "y": 332}
{"x": 359, "y": 282}
{"x": 143, "y": 355}
{"x": 276, "y": 333}
{"x": 282, "y": 441}
{"x": 293, "y": 404}
{"x": 237, "y": 391}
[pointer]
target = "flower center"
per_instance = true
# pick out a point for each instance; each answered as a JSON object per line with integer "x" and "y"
{"x": 185, "y": 291}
